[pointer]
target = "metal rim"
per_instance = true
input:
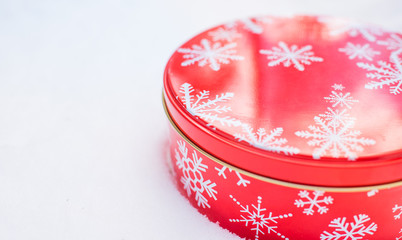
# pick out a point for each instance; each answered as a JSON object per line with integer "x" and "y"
{"x": 272, "y": 180}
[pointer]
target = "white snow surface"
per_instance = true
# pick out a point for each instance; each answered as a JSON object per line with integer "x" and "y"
{"x": 82, "y": 129}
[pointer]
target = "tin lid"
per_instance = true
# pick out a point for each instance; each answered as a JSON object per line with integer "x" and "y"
{"x": 311, "y": 100}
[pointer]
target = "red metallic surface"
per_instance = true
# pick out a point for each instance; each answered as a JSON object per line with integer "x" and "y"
{"x": 295, "y": 100}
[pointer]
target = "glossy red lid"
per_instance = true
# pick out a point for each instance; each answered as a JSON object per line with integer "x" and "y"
{"x": 310, "y": 100}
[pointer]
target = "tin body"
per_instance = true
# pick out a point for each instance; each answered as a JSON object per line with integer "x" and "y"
{"x": 278, "y": 130}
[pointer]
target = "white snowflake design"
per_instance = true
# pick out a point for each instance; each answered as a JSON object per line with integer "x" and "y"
{"x": 372, "y": 193}
{"x": 393, "y": 43}
{"x": 335, "y": 138}
{"x": 242, "y": 181}
{"x": 256, "y": 216}
{"x": 206, "y": 108}
{"x": 397, "y": 209}
{"x": 389, "y": 74}
{"x": 338, "y": 86}
{"x": 270, "y": 142}
{"x": 334, "y": 132}
{"x": 192, "y": 179}
{"x": 359, "y": 51}
{"x": 213, "y": 55}
{"x": 351, "y": 230}
{"x": 313, "y": 202}
{"x": 338, "y": 98}
{"x": 290, "y": 55}
{"x": 224, "y": 34}
{"x": 337, "y": 117}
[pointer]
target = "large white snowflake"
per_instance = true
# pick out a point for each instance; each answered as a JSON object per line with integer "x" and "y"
{"x": 242, "y": 181}
{"x": 389, "y": 74}
{"x": 338, "y": 139}
{"x": 290, "y": 56}
{"x": 260, "y": 220}
{"x": 313, "y": 202}
{"x": 206, "y": 54}
{"x": 351, "y": 230}
{"x": 206, "y": 108}
{"x": 398, "y": 210}
{"x": 192, "y": 179}
{"x": 225, "y": 34}
{"x": 359, "y": 51}
{"x": 338, "y": 98}
{"x": 393, "y": 43}
{"x": 270, "y": 142}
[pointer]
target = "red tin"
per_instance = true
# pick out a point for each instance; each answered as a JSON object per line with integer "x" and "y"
{"x": 290, "y": 127}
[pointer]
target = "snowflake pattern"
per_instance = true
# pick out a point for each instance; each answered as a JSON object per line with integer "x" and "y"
{"x": 359, "y": 51}
{"x": 224, "y": 34}
{"x": 389, "y": 74}
{"x": 351, "y": 230}
{"x": 270, "y": 142}
{"x": 313, "y": 202}
{"x": 192, "y": 179}
{"x": 290, "y": 55}
{"x": 397, "y": 209}
{"x": 338, "y": 98}
{"x": 206, "y": 54}
{"x": 206, "y": 108}
{"x": 393, "y": 43}
{"x": 256, "y": 216}
{"x": 334, "y": 132}
{"x": 242, "y": 181}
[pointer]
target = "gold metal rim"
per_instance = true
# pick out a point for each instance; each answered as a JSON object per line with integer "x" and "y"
{"x": 272, "y": 180}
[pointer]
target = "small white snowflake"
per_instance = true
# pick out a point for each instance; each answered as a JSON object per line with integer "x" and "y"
{"x": 393, "y": 43}
{"x": 313, "y": 202}
{"x": 192, "y": 179}
{"x": 242, "y": 181}
{"x": 389, "y": 74}
{"x": 224, "y": 34}
{"x": 337, "y": 117}
{"x": 359, "y": 51}
{"x": 338, "y": 87}
{"x": 206, "y": 108}
{"x": 256, "y": 216}
{"x": 397, "y": 209}
{"x": 270, "y": 142}
{"x": 288, "y": 56}
{"x": 351, "y": 230}
{"x": 338, "y": 98}
{"x": 372, "y": 193}
{"x": 205, "y": 54}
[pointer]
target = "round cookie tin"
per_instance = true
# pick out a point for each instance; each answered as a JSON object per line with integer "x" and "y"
{"x": 290, "y": 127}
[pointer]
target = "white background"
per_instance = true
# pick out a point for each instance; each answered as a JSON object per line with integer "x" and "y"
{"x": 82, "y": 130}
